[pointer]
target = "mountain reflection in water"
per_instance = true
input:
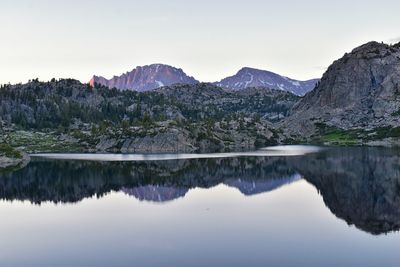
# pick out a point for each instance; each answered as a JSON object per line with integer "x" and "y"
{"x": 66, "y": 181}
{"x": 358, "y": 185}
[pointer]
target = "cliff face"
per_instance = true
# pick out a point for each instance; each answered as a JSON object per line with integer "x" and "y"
{"x": 360, "y": 90}
{"x": 146, "y": 78}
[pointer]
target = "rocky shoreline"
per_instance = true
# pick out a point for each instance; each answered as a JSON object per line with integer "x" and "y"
{"x": 13, "y": 162}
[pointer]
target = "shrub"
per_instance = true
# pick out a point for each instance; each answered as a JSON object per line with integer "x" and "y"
{"x": 9, "y": 152}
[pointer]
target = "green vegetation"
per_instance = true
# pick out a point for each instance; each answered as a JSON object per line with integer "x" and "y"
{"x": 397, "y": 113}
{"x": 339, "y": 137}
{"x": 8, "y": 151}
{"x": 63, "y": 103}
{"x": 333, "y": 135}
{"x": 41, "y": 142}
{"x": 384, "y": 132}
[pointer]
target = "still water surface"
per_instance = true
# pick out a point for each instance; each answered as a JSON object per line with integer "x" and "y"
{"x": 334, "y": 207}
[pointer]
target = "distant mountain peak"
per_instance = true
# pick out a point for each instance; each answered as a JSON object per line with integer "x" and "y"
{"x": 251, "y": 77}
{"x": 145, "y": 78}
{"x": 252, "y": 70}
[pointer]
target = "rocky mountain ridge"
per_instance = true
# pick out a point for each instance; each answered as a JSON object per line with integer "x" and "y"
{"x": 146, "y": 78}
{"x": 158, "y": 75}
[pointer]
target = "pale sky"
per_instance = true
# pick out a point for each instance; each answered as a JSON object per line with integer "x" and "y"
{"x": 208, "y": 39}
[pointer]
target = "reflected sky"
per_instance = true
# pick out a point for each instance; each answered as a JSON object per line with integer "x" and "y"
{"x": 287, "y": 227}
{"x": 276, "y": 151}
{"x": 291, "y": 211}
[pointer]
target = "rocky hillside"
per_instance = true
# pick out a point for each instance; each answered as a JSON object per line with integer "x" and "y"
{"x": 249, "y": 77}
{"x": 146, "y": 78}
{"x": 358, "y": 96}
{"x": 66, "y": 115}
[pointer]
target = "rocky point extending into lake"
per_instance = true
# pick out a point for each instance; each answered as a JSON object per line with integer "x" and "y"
{"x": 11, "y": 158}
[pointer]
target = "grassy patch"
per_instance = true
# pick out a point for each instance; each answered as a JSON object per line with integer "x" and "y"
{"x": 333, "y": 135}
{"x": 329, "y": 134}
{"x": 41, "y": 142}
{"x": 339, "y": 137}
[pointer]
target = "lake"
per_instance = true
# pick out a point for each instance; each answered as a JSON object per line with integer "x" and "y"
{"x": 282, "y": 207}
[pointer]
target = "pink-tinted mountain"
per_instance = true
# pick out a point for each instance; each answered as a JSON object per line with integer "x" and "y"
{"x": 249, "y": 77}
{"x": 253, "y": 187}
{"x": 146, "y": 78}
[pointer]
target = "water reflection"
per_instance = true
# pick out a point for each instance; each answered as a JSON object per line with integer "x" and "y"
{"x": 358, "y": 185}
{"x": 66, "y": 181}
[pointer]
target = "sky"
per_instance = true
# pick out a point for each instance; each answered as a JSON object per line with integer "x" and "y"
{"x": 208, "y": 39}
